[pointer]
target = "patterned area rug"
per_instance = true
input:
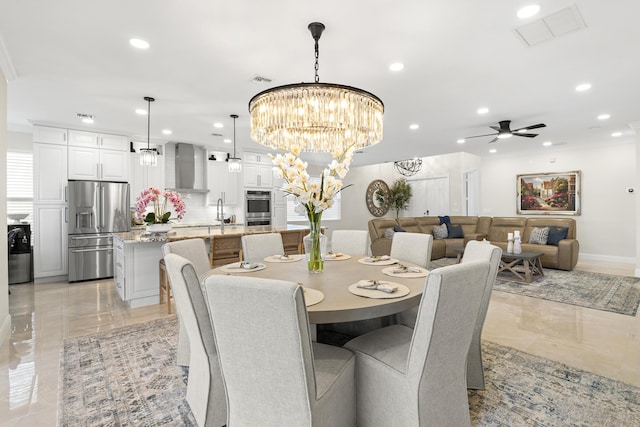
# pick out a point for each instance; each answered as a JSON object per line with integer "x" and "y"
{"x": 129, "y": 377}
{"x": 618, "y": 294}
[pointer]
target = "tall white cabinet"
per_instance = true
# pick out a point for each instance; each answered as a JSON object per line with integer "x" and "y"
{"x": 258, "y": 170}
{"x": 222, "y": 184}
{"x": 49, "y": 202}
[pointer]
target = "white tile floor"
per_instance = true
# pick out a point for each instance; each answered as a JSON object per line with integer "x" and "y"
{"x": 44, "y": 315}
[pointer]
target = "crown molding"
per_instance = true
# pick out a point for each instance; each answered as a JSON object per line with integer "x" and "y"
{"x": 6, "y": 65}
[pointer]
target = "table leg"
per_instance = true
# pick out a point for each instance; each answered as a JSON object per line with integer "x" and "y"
{"x": 527, "y": 271}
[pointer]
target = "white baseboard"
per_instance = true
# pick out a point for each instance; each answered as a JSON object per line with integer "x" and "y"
{"x": 606, "y": 258}
{"x": 5, "y": 330}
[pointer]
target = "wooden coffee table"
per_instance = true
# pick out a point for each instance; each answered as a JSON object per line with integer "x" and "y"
{"x": 524, "y": 267}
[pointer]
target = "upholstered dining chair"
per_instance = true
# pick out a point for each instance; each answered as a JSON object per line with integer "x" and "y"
{"x": 195, "y": 251}
{"x": 256, "y": 247}
{"x": 412, "y": 247}
{"x": 416, "y": 377}
{"x": 352, "y": 242}
{"x": 274, "y": 375}
{"x": 480, "y": 251}
{"x": 205, "y": 387}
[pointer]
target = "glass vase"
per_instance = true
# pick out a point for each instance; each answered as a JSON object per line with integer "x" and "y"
{"x": 314, "y": 244}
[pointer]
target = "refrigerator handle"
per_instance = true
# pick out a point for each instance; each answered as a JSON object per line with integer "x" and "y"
{"x": 66, "y": 214}
{"x": 101, "y": 207}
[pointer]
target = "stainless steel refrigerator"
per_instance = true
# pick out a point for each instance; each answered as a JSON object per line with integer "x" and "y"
{"x": 96, "y": 209}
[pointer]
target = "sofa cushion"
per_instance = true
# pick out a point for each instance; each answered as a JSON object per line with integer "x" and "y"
{"x": 556, "y": 234}
{"x": 440, "y": 231}
{"x": 454, "y": 231}
{"x": 539, "y": 236}
{"x": 445, "y": 219}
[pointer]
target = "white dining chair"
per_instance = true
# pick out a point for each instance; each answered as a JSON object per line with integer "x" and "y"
{"x": 416, "y": 377}
{"x": 256, "y": 247}
{"x": 351, "y": 242}
{"x": 205, "y": 388}
{"x": 195, "y": 251}
{"x": 480, "y": 251}
{"x": 274, "y": 374}
{"x": 412, "y": 247}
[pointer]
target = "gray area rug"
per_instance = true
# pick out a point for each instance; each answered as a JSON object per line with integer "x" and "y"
{"x": 128, "y": 376}
{"x": 607, "y": 292}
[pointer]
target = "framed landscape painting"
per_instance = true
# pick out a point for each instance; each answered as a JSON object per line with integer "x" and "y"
{"x": 549, "y": 193}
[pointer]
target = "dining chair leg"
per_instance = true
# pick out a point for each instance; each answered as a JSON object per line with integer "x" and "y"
{"x": 165, "y": 285}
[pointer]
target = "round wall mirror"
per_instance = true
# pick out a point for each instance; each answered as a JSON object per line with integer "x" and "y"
{"x": 377, "y": 198}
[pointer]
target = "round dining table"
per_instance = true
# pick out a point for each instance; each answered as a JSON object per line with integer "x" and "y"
{"x": 339, "y": 304}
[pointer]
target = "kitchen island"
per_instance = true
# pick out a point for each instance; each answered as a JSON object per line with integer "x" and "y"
{"x": 137, "y": 253}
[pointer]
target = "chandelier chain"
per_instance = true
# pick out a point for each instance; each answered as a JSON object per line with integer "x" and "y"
{"x": 317, "y": 65}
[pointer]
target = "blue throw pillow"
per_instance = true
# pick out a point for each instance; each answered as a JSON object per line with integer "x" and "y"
{"x": 397, "y": 228}
{"x": 556, "y": 234}
{"x": 455, "y": 231}
{"x": 445, "y": 220}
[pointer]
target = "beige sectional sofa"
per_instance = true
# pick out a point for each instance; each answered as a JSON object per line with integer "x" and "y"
{"x": 564, "y": 256}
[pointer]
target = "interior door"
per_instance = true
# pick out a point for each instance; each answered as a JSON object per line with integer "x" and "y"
{"x": 430, "y": 197}
{"x": 472, "y": 193}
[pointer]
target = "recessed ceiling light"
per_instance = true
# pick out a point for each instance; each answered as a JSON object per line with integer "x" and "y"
{"x": 227, "y": 141}
{"x": 604, "y": 116}
{"x": 528, "y": 11}
{"x": 396, "y": 66}
{"x": 547, "y": 143}
{"x": 218, "y": 125}
{"x": 139, "y": 43}
{"x": 414, "y": 126}
{"x": 583, "y": 86}
{"x": 616, "y": 134}
{"x": 460, "y": 141}
{"x": 493, "y": 150}
{"x": 483, "y": 110}
{"x": 141, "y": 111}
{"x": 167, "y": 131}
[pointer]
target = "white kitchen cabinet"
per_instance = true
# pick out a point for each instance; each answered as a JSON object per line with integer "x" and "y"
{"x": 50, "y": 240}
{"x": 137, "y": 282}
{"x": 79, "y": 138}
{"x": 98, "y": 164}
{"x": 50, "y": 173}
{"x": 49, "y": 135}
{"x": 222, "y": 184}
{"x": 143, "y": 177}
{"x": 258, "y": 158}
{"x": 258, "y": 176}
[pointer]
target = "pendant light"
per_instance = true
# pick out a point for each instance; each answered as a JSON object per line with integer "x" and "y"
{"x": 148, "y": 156}
{"x": 234, "y": 162}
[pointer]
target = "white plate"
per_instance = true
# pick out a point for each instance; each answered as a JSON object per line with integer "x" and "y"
{"x": 312, "y": 296}
{"x": 291, "y": 258}
{"x": 341, "y": 257}
{"x": 235, "y": 268}
{"x": 389, "y": 271}
{"x": 374, "y": 293}
{"x": 368, "y": 261}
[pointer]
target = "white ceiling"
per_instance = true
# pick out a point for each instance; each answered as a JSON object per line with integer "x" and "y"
{"x": 73, "y": 57}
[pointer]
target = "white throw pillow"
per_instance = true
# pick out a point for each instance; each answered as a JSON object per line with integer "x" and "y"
{"x": 440, "y": 231}
{"x": 539, "y": 236}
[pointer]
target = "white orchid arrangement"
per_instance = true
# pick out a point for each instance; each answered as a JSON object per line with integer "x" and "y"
{"x": 311, "y": 196}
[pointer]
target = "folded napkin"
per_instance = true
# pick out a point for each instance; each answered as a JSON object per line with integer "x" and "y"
{"x": 404, "y": 269}
{"x": 245, "y": 265}
{"x": 378, "y": 258}
{"x": 284, "y": 257}
{"x": 379, "y": 286}
{"x": 332, "y": 255}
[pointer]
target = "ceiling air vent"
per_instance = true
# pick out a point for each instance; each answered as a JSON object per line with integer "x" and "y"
{"x": 551, "y": 26}
{"x": 260, "y": 79}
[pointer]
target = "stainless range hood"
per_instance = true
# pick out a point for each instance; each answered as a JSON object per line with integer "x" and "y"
{"x": 185, "y": 164}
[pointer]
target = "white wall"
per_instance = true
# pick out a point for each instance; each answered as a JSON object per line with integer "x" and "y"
{"x": 607, "y": 226}
{"x": 5, "y": 318}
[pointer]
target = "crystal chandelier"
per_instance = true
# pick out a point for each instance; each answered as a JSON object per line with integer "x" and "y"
{"x": 408, "y": 167}
{"x": 148, "y": 156}
{"x": 316, "y": 116}
{"x": 234, "y": 162}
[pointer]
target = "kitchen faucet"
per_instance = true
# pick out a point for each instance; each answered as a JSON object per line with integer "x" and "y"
{"x": 220, "y": 213}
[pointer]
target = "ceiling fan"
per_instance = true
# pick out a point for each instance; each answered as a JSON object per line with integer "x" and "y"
{"x": 504, "y": 131}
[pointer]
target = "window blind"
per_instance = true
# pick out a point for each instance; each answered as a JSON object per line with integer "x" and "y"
{"x": 20, "y": 183}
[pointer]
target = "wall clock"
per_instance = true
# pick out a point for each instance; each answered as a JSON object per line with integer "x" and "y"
{"x": 377, "y": 198}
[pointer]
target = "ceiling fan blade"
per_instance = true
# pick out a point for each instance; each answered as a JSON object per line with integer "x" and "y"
{"x": 527, "y": 128}
{"x": 496, "y": 128}
{"x": 526, "y": 135}
{"x": 493, "y": 140}
{"x": 479, "y": 136}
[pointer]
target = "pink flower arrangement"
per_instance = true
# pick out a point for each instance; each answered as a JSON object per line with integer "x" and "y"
{"x": 160, "y": 215}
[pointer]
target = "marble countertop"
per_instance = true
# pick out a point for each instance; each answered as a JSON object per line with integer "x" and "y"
{"x": 140, "y": 235}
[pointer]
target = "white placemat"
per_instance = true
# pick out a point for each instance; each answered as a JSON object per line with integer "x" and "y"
{"x": 235, "y": 267}
{"x": 336, "y": 257}
{"x": 377, "y": 261}
{"x": 411, "y": 272}
{"x": 312, "y": 296}
{"x": 280, "y": 258}
{"x": 374, "y": 293}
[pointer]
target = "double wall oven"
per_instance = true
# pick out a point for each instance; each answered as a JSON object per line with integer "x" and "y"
{"x": 257, "y": 207}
